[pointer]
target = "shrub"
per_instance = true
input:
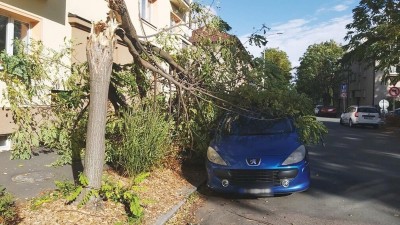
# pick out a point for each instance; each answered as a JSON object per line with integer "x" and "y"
{"x": 111, "y": 190}
{"x": 7, "y": 207}
{"x": 144, "y": 139}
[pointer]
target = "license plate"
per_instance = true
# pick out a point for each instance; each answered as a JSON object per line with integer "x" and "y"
{"x": 258, "y": 191}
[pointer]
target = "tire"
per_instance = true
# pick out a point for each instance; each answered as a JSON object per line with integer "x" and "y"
{"x": 341, "y": 121}
{"x": 351, "y": 123}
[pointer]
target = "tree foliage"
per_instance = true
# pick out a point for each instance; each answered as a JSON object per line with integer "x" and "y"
{"x": 319, "y": 73}
{"x": 374, "y": 34}
{"x": 8, "y": 211}
{"x": 273, "y": 67}
{"x": 29, "y": 79}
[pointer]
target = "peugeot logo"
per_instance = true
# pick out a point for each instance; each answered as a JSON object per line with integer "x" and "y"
{"x": 253, "y": 161}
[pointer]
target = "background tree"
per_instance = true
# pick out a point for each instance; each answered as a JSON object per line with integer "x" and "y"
{"x": 374, "y": 34}
{"x": 319, "y": 73}
{"x": 274, "y": 67}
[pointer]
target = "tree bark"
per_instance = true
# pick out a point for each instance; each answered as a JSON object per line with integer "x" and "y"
{"x": 99, "y": 51}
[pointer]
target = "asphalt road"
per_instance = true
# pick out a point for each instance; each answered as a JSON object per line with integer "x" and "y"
{"x": 355, "y": 180}
{"x": 26, "y": 179}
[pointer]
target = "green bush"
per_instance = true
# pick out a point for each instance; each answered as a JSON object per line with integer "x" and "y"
{"x": 193, "y": 133}
{"x": 111, "y": 190}
{"x": 7, "y": 207}
{"x": 143, "y": 140}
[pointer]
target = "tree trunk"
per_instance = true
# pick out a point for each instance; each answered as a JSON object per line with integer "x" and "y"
{"x": 99, "y": 51}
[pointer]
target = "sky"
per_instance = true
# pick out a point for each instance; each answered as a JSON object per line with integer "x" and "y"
{"x": 294, "y": 24}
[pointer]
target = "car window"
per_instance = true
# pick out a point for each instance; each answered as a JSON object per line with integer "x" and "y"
{"x": 241, "y": 125}
{"x": 368, "y": 110}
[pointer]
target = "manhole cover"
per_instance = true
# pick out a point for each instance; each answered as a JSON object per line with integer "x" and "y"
{"x": 32, "y": 177}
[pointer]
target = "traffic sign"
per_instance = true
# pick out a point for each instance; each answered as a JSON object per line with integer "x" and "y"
{"x": 394, "y": 91}
{"x": 343, "y": 88}
{"x": 383, "y": 104}
{"x": 343, "y": 94}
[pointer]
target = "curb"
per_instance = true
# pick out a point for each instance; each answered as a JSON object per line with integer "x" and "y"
{"x": 168, "y": 215}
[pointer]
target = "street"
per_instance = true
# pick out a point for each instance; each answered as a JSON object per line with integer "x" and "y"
{"x": 355, "y": 180}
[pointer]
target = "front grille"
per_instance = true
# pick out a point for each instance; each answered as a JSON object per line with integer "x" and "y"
{"x": 263, "y": 177}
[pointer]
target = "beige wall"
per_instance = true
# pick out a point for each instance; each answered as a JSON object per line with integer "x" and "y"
{"x": 95, "y": 10}
{"x": 50, "y": 22}
{"x": 80, "y": 29}
{"x": 46, "y": 19}
{"x": 54, "y": 10}
{"x": 365, "y": 85}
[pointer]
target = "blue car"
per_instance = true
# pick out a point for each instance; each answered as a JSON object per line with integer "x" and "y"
{"x": 255, "y": 156}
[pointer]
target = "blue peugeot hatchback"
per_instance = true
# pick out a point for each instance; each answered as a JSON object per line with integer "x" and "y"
{"x": 256, "y": 156}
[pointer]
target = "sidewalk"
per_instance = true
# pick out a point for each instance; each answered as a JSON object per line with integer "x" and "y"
{"x": 28, "y": 178}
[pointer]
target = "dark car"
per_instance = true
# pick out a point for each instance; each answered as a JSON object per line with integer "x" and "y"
{"x": 396, "y": 112}
{"x": 328, "y": 111}
{"x": 256, "y": 156}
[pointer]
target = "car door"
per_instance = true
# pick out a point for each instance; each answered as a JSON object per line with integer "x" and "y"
{"x": 348, "y": 113}
{"x": 344, "y": 115}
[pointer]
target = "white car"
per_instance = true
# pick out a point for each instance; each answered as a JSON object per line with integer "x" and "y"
{"x": 361, "y": 115}
{"x": 317, "y": 109}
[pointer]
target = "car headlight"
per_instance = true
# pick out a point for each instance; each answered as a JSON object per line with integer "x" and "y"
{"x": 214, "y": 157}
{"x": 296, "y": 156}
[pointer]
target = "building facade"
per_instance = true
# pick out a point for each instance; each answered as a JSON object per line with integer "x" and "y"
{"x": 54, "y": 21}
{"x": 366, "y": 87}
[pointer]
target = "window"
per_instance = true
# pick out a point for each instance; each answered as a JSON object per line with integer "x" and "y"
{"x": 11, "y": 29}
{"x": 145, "y": 10}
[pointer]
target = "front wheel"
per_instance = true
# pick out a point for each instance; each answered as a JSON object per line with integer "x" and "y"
{"x": 341, "y": 121}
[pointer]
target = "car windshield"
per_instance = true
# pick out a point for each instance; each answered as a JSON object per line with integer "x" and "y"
{"x": 241, "y": 125}
{"x": 368, "y": 110}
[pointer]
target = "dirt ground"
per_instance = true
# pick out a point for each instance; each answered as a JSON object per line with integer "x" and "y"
{"x": 159, "y": 193}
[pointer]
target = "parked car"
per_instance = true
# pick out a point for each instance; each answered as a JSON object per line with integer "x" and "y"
{"x": 256, "y": 156}
{"x": 316, "y": 109}
{"x": 328, "y": 111}
{"x": 361, "y": 115}
{"x": 393, "y": 118}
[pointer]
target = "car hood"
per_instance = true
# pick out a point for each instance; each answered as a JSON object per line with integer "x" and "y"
{"x": 272, "y": 149}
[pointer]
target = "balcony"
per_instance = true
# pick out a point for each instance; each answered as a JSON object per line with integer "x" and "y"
{"x": 182, "y": 5}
